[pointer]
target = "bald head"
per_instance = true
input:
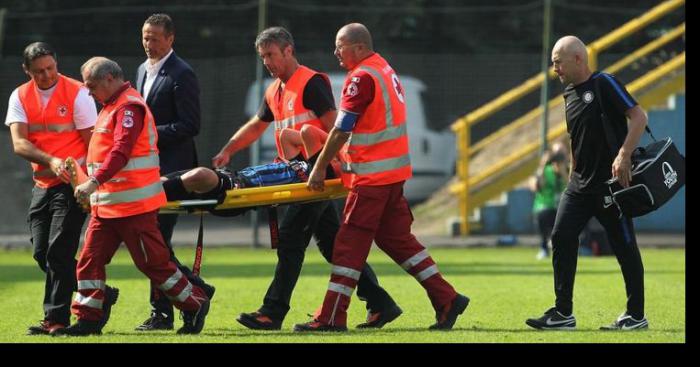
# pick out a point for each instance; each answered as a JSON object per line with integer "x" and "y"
{"x": 356, "y": 33}
{"x": 570, "y": 59}
{"x": 353, "y": 43}
{"x": 571, "y": 46}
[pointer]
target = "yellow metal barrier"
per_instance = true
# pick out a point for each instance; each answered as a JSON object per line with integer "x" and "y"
{"x": 521, "y": 163}
{"x": 634, "y": 25}
{"x": 462, "y": 126}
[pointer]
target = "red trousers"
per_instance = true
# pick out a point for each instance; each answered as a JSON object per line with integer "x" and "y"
{"x": 142, "y": 237}
{"x": 378, "y": 213}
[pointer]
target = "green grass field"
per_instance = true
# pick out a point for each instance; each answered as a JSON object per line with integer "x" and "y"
{"x": 506, "y": 286}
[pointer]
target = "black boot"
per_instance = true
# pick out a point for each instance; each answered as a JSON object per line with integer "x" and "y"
{"x": 80, "y": 328}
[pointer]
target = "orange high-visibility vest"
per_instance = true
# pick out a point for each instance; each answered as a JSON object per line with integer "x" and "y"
{"x": 377, "y": 152}
{"x": 288, "y": 108}
{"x": 51, "y": 128}
{"x": 136, "y": 188}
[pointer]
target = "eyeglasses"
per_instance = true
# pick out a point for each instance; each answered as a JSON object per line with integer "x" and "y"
{"x": 340, "y": 48}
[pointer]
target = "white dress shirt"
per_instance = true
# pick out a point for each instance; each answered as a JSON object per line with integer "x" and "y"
{"x": 152, "y": 71}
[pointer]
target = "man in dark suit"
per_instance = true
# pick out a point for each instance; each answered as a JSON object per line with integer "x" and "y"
{"x": 171, "y": 90}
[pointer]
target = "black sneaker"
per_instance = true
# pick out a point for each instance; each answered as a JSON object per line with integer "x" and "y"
{"x": 157, "y": 321}
{"x": 447, "y": 319}
{"x": 378, "y": 319}
{"x": 553, "y": 320}
{"x": 258, "y": 321}
{"x": 318, "y": 326}
{"x": 626, "y": 322}
{"x": 80, "y": 328}
{"x": 194, "y": 320}
{"x": 111, "y": 296}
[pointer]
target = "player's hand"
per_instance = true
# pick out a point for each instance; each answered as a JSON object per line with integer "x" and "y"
{"x": 220, "y": 160}
{"x": 622, "y": 169}
{"x": 316, "y": 179}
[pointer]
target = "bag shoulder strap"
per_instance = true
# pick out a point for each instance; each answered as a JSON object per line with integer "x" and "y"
{"x": 609, "y": 133}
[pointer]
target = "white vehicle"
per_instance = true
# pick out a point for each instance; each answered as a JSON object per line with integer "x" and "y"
{"x": 432, "y": 152}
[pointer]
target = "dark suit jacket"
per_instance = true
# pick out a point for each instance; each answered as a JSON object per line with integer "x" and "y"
{"x": 174, "y": 102}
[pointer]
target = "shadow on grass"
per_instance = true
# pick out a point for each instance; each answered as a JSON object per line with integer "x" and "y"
{"x": 19, "y": 273}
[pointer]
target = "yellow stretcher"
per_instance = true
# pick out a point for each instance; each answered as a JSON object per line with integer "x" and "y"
{"x": 260, "y": 196}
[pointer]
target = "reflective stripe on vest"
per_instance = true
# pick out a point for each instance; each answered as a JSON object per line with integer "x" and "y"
{"x": 151, "y": 127}
{"x": 387, "y": 134}
{"x": 126, "y": 196}
{"x": 389, "y": 117}
{"x": 149, "y": 161}
{"x": 51, "y": 127}
{"x": 295, "y": 120}
{"x": 152, "y": 134}
{"x": 376, "y": 166}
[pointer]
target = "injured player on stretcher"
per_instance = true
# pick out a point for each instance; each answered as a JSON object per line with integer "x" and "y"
{"x": 202, "y": 183}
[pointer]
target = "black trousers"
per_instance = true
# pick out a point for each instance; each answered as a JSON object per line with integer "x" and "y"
{"x": 55, "y": 223}
{"x": 575, "y": 209}
{"x": 545, "y": 224}
{"x": 298, "y": 225}
{"x": 159, "y": 302}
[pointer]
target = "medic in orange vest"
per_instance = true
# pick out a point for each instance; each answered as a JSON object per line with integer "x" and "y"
{"x": 299, "y": 102}
{"x": 125, "y": 194}
{"x": 50, "y": 118}
{"x": 371, "y": 130}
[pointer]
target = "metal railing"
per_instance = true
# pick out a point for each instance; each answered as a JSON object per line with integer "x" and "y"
{"x": 465, "y": 153}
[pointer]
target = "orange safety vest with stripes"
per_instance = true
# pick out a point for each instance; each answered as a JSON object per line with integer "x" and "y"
{"x": 136, "y": 188}
{"x": 51, "y": 129}
{"x": 287, "y": 105}
{"x": 377, "y": 152}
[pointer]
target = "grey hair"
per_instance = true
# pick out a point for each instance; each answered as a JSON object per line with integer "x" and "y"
{"x": 277, "y": 35}
{"x": 99, "y": 67}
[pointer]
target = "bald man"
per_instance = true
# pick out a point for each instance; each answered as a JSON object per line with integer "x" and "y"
{"x": 605, "y": 124}
{"x": 375, "y": 165}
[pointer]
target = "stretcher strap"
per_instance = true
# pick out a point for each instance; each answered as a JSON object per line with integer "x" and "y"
{"x": 200, "y": 246}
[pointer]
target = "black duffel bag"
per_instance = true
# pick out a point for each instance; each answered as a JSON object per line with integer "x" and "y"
{"x": 658, "y": 172}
